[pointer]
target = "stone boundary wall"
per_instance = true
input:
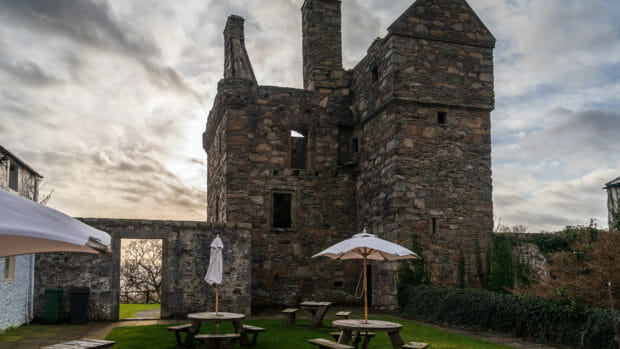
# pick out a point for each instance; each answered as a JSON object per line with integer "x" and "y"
{"x": 185, "y": 258}
{"x": 524, "y": 247}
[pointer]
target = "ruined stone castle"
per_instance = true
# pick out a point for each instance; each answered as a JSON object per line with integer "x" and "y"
{"x": 399, "y": 143}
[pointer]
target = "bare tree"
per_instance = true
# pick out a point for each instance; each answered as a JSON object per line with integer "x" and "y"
{"x": 141, "y": 271}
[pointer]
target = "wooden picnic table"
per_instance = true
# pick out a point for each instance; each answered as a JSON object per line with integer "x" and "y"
{"x": 348, "y": 327}
{"x": 317, "y": 311}
{"x": 198, "y": 318}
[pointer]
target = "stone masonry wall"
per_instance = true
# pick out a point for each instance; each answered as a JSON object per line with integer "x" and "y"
{"x": 257, "y": 163}
{"x": 185, "y": 261}
{"x": 400, "y": 143}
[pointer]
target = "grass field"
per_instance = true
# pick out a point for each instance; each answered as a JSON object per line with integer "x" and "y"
{"x": 279, "y": 336}
{"x": 126, "y": 311}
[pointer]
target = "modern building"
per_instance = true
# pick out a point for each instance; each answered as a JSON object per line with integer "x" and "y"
{"x": 17, "y": 272}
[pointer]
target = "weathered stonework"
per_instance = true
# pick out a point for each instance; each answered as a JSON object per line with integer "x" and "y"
{"x": 399, "y": 143}
{"x": 185, "y": 261}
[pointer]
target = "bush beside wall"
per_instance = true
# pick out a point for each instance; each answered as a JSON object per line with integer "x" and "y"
{"x": 530, "y": 318}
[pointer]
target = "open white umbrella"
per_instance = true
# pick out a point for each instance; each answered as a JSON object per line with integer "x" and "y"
{"x": 28, "y": 227}
{"x": 214, "y": 272}
{"x": 367, "y": 246}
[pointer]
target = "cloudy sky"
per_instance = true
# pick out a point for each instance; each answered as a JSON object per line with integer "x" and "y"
{"x": 108, "y": 98}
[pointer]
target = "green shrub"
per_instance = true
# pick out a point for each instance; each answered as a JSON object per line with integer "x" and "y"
{"x": 531, "y": 318}
{"x": 501, "y": 276}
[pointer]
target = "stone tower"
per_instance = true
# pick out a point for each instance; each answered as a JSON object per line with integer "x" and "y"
{"x": 399, "y": 143}
{"x": 322, "y": 45}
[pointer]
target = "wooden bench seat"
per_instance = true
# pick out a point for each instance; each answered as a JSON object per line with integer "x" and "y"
{"x": 289, "y": 316}
{"x": 216, "y": 340}
{"x": 255, "y": 330}
{"x": 82, "y": 343}
{"x": 368, "y": 335}
{"x": 415, "y": 345}
{"x": 343, "y": 315}
{"x": 177, "y": 332}
{"x": 327, "y": 344}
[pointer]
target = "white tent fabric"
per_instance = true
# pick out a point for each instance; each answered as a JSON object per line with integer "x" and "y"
{"x": 370, "y": 245}
{"x": 214, "y": 272}
{"x": 28, "y": 227}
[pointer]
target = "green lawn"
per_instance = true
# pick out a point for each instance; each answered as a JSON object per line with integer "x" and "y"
{"x": 126, "y": 311}
{"x": 279, "y": 336}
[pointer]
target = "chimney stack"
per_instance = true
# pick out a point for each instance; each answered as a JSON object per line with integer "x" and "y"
{"x": 236, "y": 61}
{"x": 322, "y": 45}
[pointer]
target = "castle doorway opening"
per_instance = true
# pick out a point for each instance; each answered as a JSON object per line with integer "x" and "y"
{"x": 140, "y": 278}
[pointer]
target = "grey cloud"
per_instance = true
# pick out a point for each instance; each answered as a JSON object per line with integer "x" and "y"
{"x": 540, "y": 219}
{"x": 585, "y": 134}
{"x": 93, "y": 23}
{"x": 508, "y": 199}
{"x": 29, "y": 73}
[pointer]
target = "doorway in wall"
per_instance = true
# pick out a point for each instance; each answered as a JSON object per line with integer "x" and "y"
{"x": 140, "y": 278}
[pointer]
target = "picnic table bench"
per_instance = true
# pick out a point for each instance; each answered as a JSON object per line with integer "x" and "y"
{"x": 255, "y": 331}
{"x": 317, "y": 310}
{"x": 177, "y": 332}
{"x": 289, "y": 316}
{"x": 216, "y": 340}
{"x": 327, "y": 344}
{"x": 82, "y": 343}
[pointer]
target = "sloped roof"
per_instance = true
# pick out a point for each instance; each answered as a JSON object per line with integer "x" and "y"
{"x": 444, "y": 20}
{"x": 13, "y": 157}
{"x": 614, "y": 183}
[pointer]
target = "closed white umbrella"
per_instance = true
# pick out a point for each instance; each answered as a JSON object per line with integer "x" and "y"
{"x": 214, "y": 272}
{"x": 28, "y": 227}
{"x": 367, "y": 246}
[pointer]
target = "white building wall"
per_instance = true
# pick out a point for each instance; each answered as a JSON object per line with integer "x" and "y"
{"x": 15, "y": 295}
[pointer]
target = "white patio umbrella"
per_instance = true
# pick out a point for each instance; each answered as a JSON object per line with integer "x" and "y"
{"x": 214, "y": 272}
{"x": 367, "y": 246}
{"x": 28, "y": 227}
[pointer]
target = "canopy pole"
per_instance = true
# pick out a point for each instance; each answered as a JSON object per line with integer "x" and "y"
{"x": 365, "y": 293}
{"x": 216, "y": 300}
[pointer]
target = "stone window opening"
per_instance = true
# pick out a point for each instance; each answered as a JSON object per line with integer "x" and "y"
{"x": 442, "y": 117}
{"x": 282, "y": 213}
{"x": 13, "y": 177}
{"x": 9, "y": 269}
{"x": 217, "y": 209}
{"x": 347, "y": 144}
{"x": 434, "y": 225}
{"x": 354, "y": 145}
{"x": 298, "y": 149}
{"x": 375, "y": 73}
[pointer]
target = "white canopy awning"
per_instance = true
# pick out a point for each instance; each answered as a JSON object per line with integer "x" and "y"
{"x": 28, "y": 227}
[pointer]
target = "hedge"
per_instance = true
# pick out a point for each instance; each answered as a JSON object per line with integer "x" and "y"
{"x": 530, "y": 318}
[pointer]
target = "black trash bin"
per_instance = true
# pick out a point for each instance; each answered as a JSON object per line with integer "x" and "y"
{"x": 52, "y": 304}
{"x": 78, "y": 304}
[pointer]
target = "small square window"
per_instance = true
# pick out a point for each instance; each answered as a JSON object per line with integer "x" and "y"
{"x": 442, "y": 117}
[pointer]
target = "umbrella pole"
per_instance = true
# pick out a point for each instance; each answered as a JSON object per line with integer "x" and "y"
{"x": 216, "y": 299}
{"x": 365, "y": 293}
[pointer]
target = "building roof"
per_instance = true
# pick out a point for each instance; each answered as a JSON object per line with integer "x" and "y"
{"x": 614, "y": 183}
{"x": 443, "y": 20}
{"x": 13, "y": 157}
